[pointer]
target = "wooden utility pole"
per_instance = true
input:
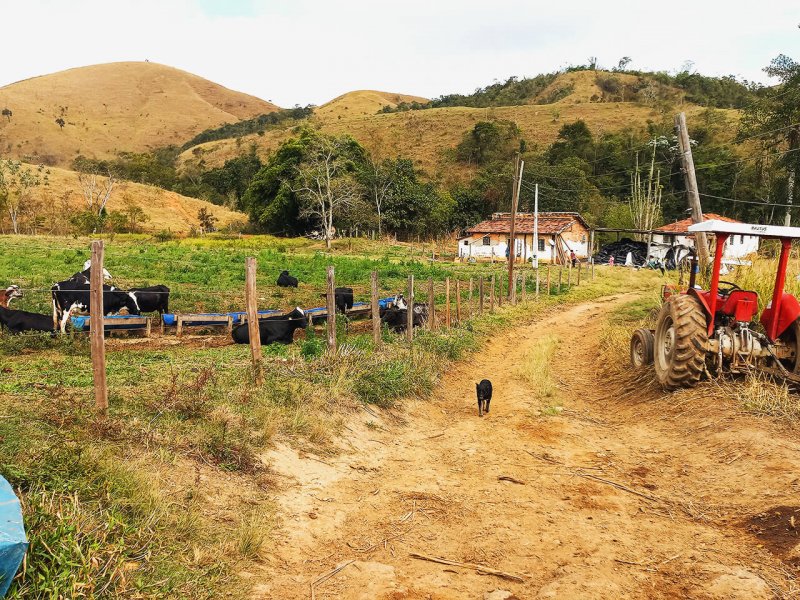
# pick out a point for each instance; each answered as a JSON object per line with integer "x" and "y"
{"x": 331, "y": 310}
{"x": 410, "y": 310}
{"x": 253, "y": 329}
{"x": 693, "y": 194}
{"x": 376, "y": 312}
{"x": 458, "y": 301}
{"x": 97, "y": 329}
{"x": 512, "y": 240}
{"x": 447, "y": 302}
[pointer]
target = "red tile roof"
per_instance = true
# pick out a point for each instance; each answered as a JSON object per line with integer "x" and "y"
{"x": 683, "y": 225}
{"x": 549, "y": 223}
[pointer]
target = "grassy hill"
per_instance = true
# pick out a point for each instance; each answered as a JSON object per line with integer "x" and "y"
{"x": 362, "y": 102}
{"x": 425, "y": 135}
{"x": 167, "y": 210}
{"x": 108, "y": 108}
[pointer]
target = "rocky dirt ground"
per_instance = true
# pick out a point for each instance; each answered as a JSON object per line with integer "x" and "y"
{"x": 618, "y": 492}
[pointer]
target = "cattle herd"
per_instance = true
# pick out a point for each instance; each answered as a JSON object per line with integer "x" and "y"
{"x": 73, "y": 296}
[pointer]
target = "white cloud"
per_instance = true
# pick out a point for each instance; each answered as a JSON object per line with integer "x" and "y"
{"x": 308, "y": 51}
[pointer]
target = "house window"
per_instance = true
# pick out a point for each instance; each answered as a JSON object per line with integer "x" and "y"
{"x": 466, "y": 242}
{"x": 487, "y": 241}
{"x": 541, "y": 244}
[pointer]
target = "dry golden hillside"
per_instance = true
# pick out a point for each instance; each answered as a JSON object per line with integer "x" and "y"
{"x": 425, "y": 135}
{"x": 126, "y": 106}
{"x": 362, "y": 102}
{"x": 167, "y": 210}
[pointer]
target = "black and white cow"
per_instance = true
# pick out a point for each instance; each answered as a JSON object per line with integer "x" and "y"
{"x": 9, "y": 294}
{"x": 17, "y": 321}
{"x": 154, "y": 298}
{"x": 397, "y": 318}
{"x": 279, "y": 328}
{"x": 286, "y": 280}
{"x": 87, "y": 267}
{"x": 73, "y": 295}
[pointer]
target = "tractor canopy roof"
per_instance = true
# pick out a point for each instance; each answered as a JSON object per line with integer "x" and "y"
{"x": 765, "y": 231}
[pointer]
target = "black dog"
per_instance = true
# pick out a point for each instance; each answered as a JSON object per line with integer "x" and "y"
{"x": 484, "y": 391}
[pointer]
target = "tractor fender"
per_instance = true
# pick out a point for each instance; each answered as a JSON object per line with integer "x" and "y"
{"x": 789, "y": 311}
{"x": 701, "y": 298}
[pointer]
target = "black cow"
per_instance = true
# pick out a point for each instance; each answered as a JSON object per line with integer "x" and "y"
{"x": 397, "y": 318}
{"x": 73, "y": 294}
{"x": 286, "y": 280}
{"x": 154, "y": 298}
{"x": 279, "y": 328}
{"x": 343, "y": 299}
{"x": 484, "y": 392}
{"x": 19, "y": 320}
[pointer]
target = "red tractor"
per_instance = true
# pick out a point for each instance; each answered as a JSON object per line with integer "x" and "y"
{"x": 710, "y": 332}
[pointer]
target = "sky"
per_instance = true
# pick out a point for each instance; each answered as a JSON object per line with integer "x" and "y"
{"x": 310, "y": 51}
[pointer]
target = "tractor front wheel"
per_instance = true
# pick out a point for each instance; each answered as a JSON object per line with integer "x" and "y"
{"x": 680, "y": 341}
{"x": 641, "y": 348}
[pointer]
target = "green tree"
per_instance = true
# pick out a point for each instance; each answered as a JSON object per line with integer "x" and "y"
{"x": 17, "y": 182}
{"x": 206, "y": 220}
{"x": 489, "y": 141}
{"x": 775, "y": 120}
{"x": 283, "y": 198}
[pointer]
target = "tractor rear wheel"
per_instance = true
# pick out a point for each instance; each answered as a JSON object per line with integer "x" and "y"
{"x": 791, "y": 337}
{"x": 641, "y": 348}
{"x": 680, "y": 341}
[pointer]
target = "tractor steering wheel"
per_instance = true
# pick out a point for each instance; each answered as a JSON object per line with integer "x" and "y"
{"x": 729, "y": 287}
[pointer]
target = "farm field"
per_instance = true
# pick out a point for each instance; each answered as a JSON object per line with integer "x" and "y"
{"x": 585, "y": 480}
{"x": 175, "y": 494}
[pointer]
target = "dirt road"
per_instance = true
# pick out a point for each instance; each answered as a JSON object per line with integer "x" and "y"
{"x": 619, "y": 494}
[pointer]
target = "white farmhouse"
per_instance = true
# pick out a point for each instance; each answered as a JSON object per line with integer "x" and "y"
{"x": 677, "y": 234}
{"x": 559, "y": 234}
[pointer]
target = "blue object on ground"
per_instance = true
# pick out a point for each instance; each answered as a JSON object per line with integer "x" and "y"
{"x": 81, "y": 322}
{"x": 13, "y": 542}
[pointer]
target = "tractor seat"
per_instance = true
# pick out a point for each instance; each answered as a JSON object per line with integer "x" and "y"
{"x": 742, "y": 305}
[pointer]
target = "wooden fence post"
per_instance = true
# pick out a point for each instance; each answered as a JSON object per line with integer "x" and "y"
{"x": 447, "y": 302}
{"x": 97, "y": 330}
{"x": 469, "y": 298}
{"x": 410, "y": 310}
{"x": 458, "y": 301}
{"x": 560, "y": 278}
{"x": 253, "y": 329}
{"x": 431, "y": 306}
{"x": 376, "y": 313}
{"x": 548, "y": 280}
{"x": 592, "y": 269}
{"x": 524, "y": 288}
{"x": 480, "y": 295}
{"x": 578, "y": 282}
{"x": 331, "y": 304}
{"x": 500, "y": 292}
{"x": 491, "y": 296}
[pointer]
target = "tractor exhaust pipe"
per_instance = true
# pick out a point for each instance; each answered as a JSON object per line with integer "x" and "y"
{"x": 695, "y": 268}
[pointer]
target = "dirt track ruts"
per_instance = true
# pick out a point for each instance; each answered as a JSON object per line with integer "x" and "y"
{"x": 622, "y": 494}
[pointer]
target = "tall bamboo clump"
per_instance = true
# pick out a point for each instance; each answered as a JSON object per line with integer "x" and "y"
{"x": 645, "y": 203}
